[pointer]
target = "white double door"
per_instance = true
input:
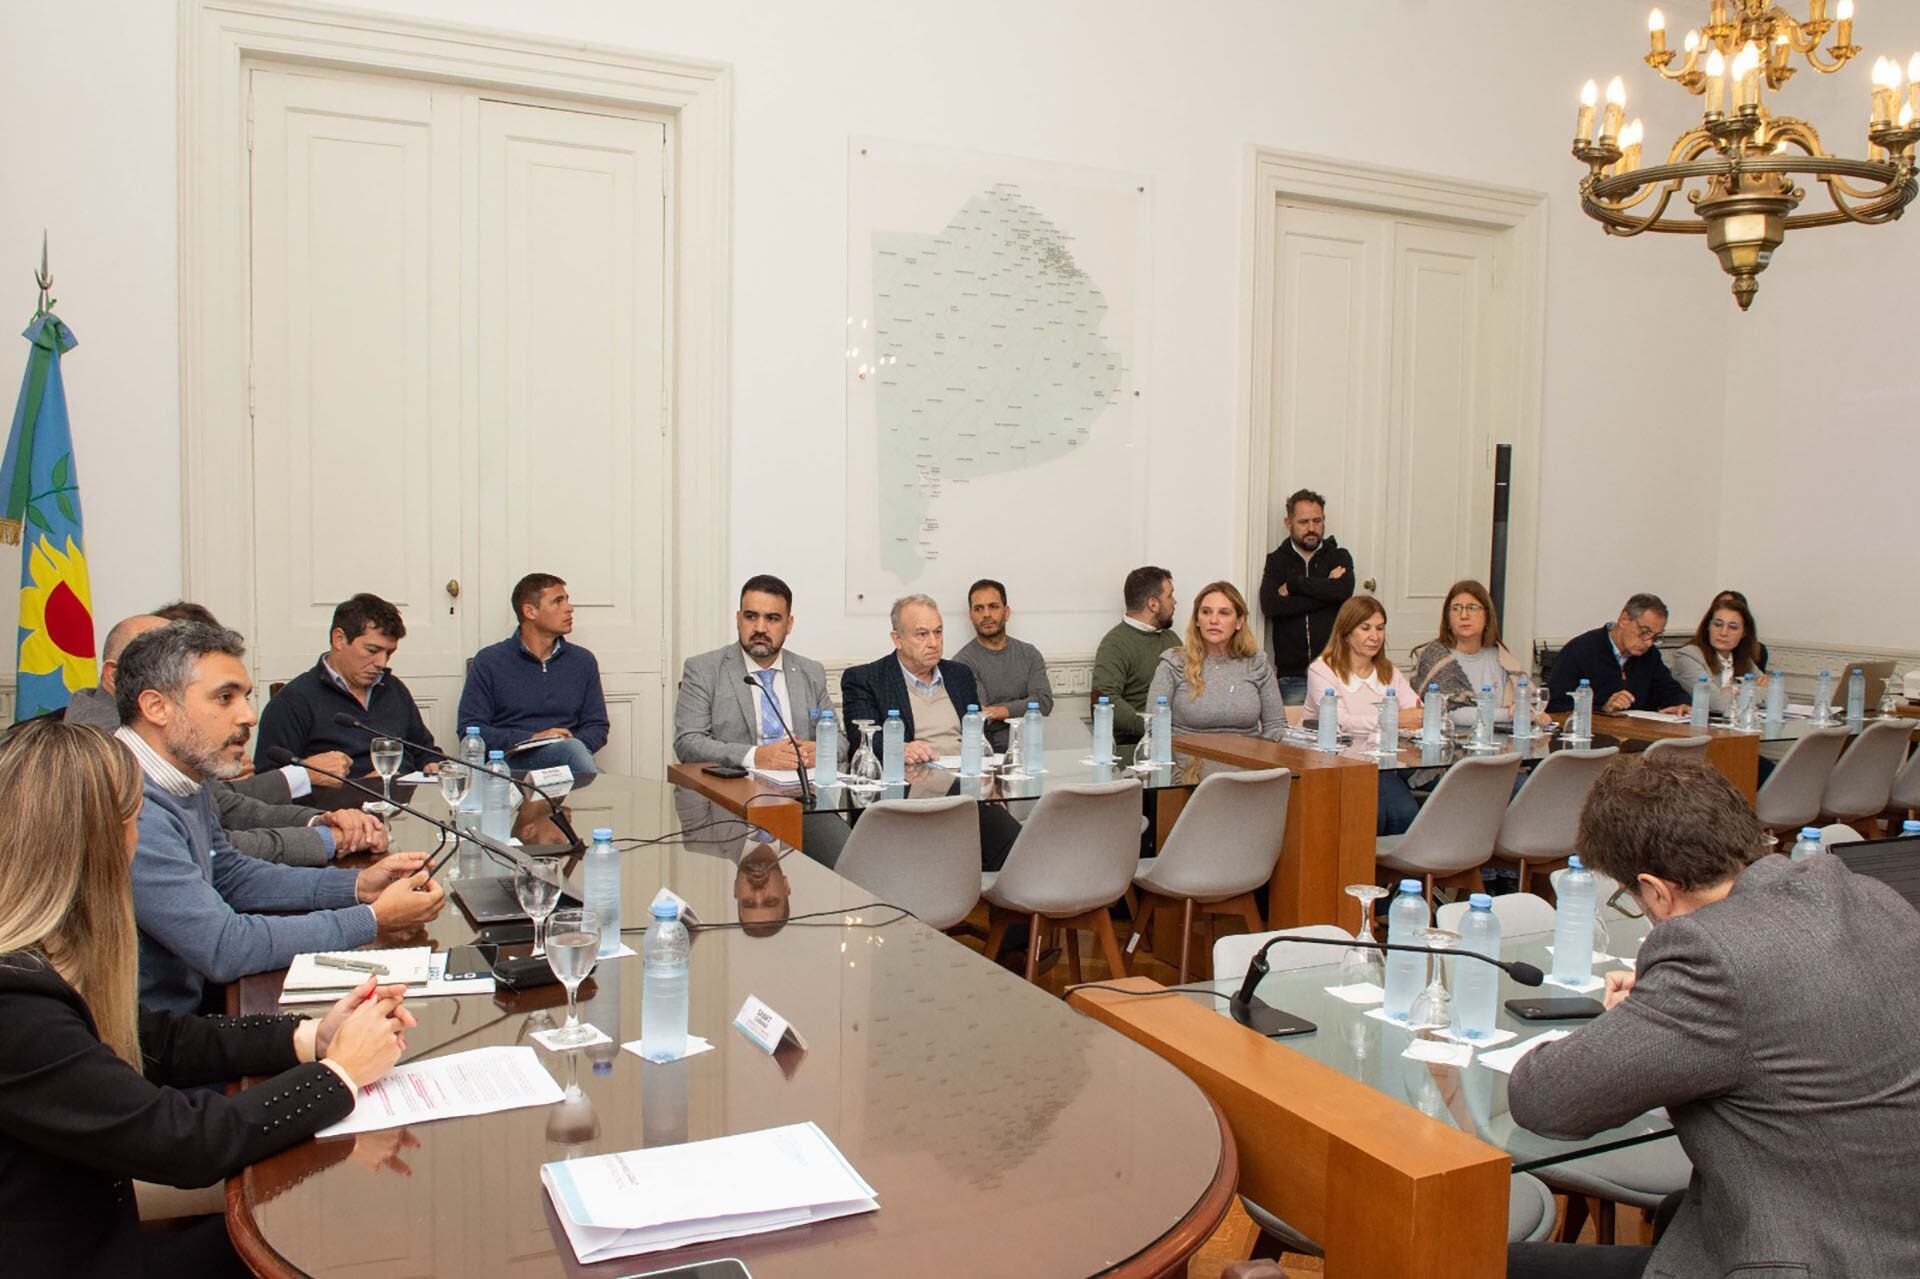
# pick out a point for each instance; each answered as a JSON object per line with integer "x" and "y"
{"x": 458, "y": 319}
{"x": 1382, "y": 363}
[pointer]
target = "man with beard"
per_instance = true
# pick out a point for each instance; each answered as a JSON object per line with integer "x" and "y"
{"x": 182, "y": 692}
{"x": 1124, "y": 663}
{"x": 1010, "y": 672}
{"x": 1308, "y": 577}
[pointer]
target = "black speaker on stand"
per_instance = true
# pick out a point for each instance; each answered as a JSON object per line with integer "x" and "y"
{"x": 1502, "y": 501}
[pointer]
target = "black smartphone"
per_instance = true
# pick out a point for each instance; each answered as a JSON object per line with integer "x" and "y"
{"x": 470, "y": 961}
{"x": 504, "y": 934}
{"x": 723, "y": 770}
{"x": 725, "y": 1268}
{"x": 1565, "y": 1008}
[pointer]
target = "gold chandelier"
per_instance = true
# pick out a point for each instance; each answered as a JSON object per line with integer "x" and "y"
{"x": 1738, "y": 168}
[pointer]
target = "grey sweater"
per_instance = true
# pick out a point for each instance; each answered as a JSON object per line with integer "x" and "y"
{"x": 1012, "y": 677}
{"x": 1241, "y": 695}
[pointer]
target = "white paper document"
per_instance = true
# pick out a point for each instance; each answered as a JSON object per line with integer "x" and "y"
{"x": 436, "y": 984}
{"x": 1662, "y": 716}
{"x": 672, "y": 1196}
{"x": 952, "y": 762}
{"x": 408, "y": 965}
{"x": 478, "y": 1082}
{"x": 1505, "y": 1059}
{"x": 1361, "y": 993}
{"x": 1599, "y": 957}
{"x": 776, "y": 776}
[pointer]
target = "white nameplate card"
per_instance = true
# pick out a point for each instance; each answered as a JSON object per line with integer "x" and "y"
{"x": 766, "y": 1028}
{"x": 687, "y": 916}
{"x": 557, "y": 780}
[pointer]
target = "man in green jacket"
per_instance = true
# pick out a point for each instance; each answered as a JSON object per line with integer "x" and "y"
{"x": 1123, "y": 664}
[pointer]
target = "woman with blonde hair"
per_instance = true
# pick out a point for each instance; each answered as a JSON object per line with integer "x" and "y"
{"x": 1219, "y": 681}
{"x": 1354, "y": 665}
{"x": 90, "y": 1084}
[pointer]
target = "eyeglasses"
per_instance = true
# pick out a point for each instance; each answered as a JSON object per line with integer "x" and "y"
{"x": 1729, "y": 625}
{"x": 1468, "y": 609}
{"x": 1649, "y": 635}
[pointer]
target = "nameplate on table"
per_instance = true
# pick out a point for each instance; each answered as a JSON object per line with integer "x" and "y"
{"x": 768, "y": 1030}
{"x": 557, "y": 780}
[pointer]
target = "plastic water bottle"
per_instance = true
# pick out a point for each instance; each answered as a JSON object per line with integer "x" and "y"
{"x": 1807, "y": 845}
{"x": 1702, "y": 707}
{"x": 973, "y": 738}
{"x": 473, "y": 753}
{"x": 1776, "y": 695}
{"x": 496, "y": 805}
{"x": 1329, "y": 739}
{"x": 893, "y": 751}
{"x": 1487, "y": 707}
{"x": 1856, "y": 695}
{"x": 663, "y": 990}
{"x": 1406, "y": 973}
{"x": 1582, "y": 723}
{"x": 601, "y": 871}
{"x": 1162, "y": 732}
{"x": 1103, "y": 731}
{"x": 1522, "y": 709}
{"x": 1390, "y": 723}
{"x": 1745, "y": 694}
{"x": 1476, "y": 986}
{"x": 826, "y": 751}
{"x": 1573, "y": 925}
{"x": 1823, "y": 698}
{"x": 1909, "y": 830}
{"x": 1033, "y": 733}
{"x": 1433, "y": 716}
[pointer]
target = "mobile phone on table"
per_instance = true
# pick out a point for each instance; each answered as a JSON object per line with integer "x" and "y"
{"x": 1554, "y": 1008}
{"x": 470, "y": 961}
{"x": 728, "y": 771}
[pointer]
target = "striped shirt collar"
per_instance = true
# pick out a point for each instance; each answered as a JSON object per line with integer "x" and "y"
{"x": 158, "y": 770}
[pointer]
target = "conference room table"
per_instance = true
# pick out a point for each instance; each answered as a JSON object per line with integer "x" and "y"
{"x": 1003, "y": 1133}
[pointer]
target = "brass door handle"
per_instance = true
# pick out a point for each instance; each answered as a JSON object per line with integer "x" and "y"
{"x": 453, "y": 588}
{"x": 1368, "y": 584}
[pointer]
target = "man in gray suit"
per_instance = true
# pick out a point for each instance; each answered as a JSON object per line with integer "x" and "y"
{"x": 1771, "y": 1013}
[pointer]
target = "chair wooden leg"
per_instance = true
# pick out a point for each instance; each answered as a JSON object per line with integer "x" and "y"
{"x": 997, "y": 922}
{"x": 1603, "y": 1222}
{"x": 1249, "y": 910}
{"x": 1144, "y": 907}
{"x": 1102, "y": 924}
{"x": 1525, "y": 867}
{"x": 1070, "y": 941}
{"x": 1036, "y": 938}
{"x": 1186, "y": 938}
{"x": 1575, "y": 1220}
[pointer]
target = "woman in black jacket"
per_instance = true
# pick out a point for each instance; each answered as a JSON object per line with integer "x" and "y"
{"x": 90, "y": 1083}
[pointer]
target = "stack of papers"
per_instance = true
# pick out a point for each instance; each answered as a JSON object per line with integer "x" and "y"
{"x": 435, "y": 984}
{"x": 672, "y": 1196}
{"x": 307, "y": 973}
{"x": 776, "y": 776}
{"x": 478, "y": 1082}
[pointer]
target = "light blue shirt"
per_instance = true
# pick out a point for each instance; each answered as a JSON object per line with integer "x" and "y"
{"x": 926, "y": 688}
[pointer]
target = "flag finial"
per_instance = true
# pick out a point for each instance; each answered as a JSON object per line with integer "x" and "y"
{"x": 44, "y": 278}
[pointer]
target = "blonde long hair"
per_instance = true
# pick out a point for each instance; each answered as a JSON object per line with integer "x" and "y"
{"x": 1355, "y": 611}
{"x": 1243, "y": 644}
{"x": 66, "y": 886}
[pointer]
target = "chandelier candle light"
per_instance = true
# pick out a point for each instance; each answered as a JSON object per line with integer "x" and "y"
{"x": 1738, "y": 167}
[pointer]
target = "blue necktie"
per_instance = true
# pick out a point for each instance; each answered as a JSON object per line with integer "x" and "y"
{"x": 770, "y": 729}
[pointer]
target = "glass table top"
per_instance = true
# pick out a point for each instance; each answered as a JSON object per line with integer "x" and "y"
{"x": 1064, "y": 766}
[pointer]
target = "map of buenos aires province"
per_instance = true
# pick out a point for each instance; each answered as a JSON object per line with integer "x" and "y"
{"x": 998, "y": 360}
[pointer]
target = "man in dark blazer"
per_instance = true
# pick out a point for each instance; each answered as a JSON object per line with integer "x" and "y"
{"x": 1622, "y": 662}
{"x": 931, "y": 695}
{"x": 1771, "y": 1013}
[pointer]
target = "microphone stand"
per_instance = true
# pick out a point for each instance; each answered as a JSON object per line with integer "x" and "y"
{"x": 799, "y": 765}
{"x": 1274, "y": 1023}
{"x": 565, "y": 827}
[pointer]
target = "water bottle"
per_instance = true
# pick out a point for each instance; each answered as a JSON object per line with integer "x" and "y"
{"x": 1823, "y": 698}
{"x": 1390, "y": 723}
{"x": 1776, "y": 696}
{"x": 1433, "y": 716}
{"x": 1162, "y": 732}
{"x": 473, "y": 753}
{"x": 601, "y": 871}
{"x": 1103, "y": 731}
{"x": 1522, "y": 709}
{"x": 1476, "y": 986}
{"x": 893, "y": 751}
{"x": 1487, "y": 707}
{"x": 1744, "y": 697}
{"x": 973, "y": 737}
{"x": 1329, "y": 739}
{"x": 1033, "y": 739}
{"x": 1573, "y": 925}
{"x": 1582, "y": 723}
{"x": 496, "y": 805}
{"x": 1807, "y": 845}
{"x": 1406, "y": 973}
{"x": 826, "y": 751}
{"x": 1909, "y": 829}
{"x": 1856, "y": 695}
{"x": 1702, "y": 702}
{"x": 663, "y": 988}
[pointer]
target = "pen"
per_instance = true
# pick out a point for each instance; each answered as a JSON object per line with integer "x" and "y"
{"x": 351, "y": 965}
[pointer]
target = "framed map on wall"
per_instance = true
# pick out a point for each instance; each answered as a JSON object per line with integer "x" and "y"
{"x": 996, "y": 378}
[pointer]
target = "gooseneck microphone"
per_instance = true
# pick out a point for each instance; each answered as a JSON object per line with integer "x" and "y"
{"x": 1274, "y": 1023}
{"x": 799, "y": 764}
{"x": 565, "y": 827}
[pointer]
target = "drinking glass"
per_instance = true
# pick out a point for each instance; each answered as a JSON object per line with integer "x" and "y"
{"x": 573, "y": 944}
{"x": 1433, "y": 1007}
{"x": 1357, "y": 964}
{"x": 538, "y": 889}
{"x": 865, "y": 765}
{"x": 455, "y": 781}
{"x": 387, "y": 754}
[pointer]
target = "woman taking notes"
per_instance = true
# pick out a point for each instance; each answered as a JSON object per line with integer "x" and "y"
{"x": 1219, "y": 681}
{"x": 1467, "y": 655}
{"x": 89, "y": 1082}
{"x": 1355, "y": 666}
{"x": 1725, "y": 646}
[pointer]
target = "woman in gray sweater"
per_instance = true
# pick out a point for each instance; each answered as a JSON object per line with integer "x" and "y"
{"x": 1220, "y": 681}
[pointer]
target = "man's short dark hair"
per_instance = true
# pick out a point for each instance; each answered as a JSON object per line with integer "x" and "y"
{"x": 528, "y": 590}
{"x": 987, "y": 584}
{"x": 1143, "y": 584}
{"x": 1305, "y": 495}
{"x": 362, "y": 613}
{"x": 1680, "y": 820}
{"x": 163, "y": 660}
{"x": 187, "y": 611}
{"x": 1643, "y": 602}
{"x": 768, "y": 584}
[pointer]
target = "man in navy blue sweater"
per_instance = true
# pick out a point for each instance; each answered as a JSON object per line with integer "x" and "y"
{"x": 1622, "y": 662}
{"x": 536, "y": 694}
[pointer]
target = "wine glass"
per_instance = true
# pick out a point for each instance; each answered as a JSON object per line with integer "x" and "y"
{"x": 455, "y": 781}
{"x": 387, "y": 754}
{"x": 865, "y": 765}
{"x": 1359, "y": 965}
{"x": 538, "y": 889}
{"x": 1433, "y": 1007}
{"x": 573, "y": 944}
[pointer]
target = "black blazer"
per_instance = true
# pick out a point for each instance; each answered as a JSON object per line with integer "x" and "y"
{"x": 1589, "y": 656}
{"x": 77, "y": 1123}
{"x": 870, "y": 691}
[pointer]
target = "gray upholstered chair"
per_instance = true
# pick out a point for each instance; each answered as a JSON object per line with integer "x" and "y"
{"x": 1452, "y": 837}
{"x": 1537, "y": 833}
{"x": 1839, "y": 833}
{"x": 1231, "y": 955}
{"x": 920, "y": 854}
{"x": 1681, "y": 747}
{"x": 1531, "y": 1214}
{"x": 1638, "y": 1176}
{"x": 1904, "y": 802}
{"x": 1790, "y": 798}
{"x": 1222, "y": 847}
{"x": 1074, "y": 857}
{"x": 1861, "y": 784}
{"x": 1520, "y": 914}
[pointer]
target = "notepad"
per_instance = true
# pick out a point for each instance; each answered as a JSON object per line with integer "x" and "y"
{"x": 476, "y": 1082}
{"x": 1505, "y": 1059}
{"x": 672, "y": 1196}
{"x": 437, "y": 984}
{"x": 408, "y": 965}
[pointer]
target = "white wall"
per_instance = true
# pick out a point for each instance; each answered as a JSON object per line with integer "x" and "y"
{"x": 1636, "y": 357}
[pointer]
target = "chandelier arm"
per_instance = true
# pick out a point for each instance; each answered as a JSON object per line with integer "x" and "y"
{"x": 1841, "y": 57}
{"x": 1883, "y": 209}
{"x": 1627, "y": 227}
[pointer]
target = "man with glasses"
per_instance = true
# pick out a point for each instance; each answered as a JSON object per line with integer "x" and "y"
{"x": 1622, "y": 661}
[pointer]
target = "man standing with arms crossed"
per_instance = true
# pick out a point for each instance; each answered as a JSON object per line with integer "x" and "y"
{"x": 1307, "y": 578}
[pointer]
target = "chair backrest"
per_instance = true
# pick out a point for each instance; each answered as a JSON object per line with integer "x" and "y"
{"x": 1688, "y": 747}
{"x": 1456, "y": 826}
{"x": 1545, "y": 816}
{"x": 1791, "y": 796}
{"x": 1906, "y": 785}
{"x": 922, "y": 854}
{"x": 1077, "y": 850}
{"x": 1233, "y": 953}
{"x": 1519, "y": 914}
{"x": 1862, "y": 782}
{"x": 1839, "y": 833}
{"x": 1227, "y": 838}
